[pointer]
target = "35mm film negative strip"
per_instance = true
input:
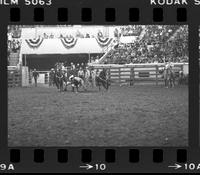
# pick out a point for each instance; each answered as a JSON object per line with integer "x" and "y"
{"x": 99, "y": 86}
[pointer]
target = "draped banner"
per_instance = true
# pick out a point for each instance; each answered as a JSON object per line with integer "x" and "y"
{"x": 34, "y": 43}
{"x": 69, "y": 42}
{"x": 103, "y": 42}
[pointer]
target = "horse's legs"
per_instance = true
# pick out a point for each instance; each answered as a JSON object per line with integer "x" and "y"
{"x": 57, "y": 84}
{"x": 168, "y": 83}
{"x": 76, "y": 89}
{"x": 174, "y": 82}
{"x": 84, "y": 85}
{"x": 105, "y": 85}
{"x": 108, "y": 84}
{"x": 171, "y": 82}
{"x": 61, "y": 86}
{"x": 165, "y": 82}
{"x": 66, "y": 87}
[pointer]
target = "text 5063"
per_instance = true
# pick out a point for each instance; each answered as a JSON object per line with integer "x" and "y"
{"x": 38, "y": 2}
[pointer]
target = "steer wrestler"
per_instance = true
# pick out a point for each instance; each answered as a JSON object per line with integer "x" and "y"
{"x": 77, "y": 82}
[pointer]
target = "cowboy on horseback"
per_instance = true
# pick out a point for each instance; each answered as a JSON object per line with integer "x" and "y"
{"x": 169, "y": 75}
{"x": 59, "y": 79}
{"x": 102, "y": 79}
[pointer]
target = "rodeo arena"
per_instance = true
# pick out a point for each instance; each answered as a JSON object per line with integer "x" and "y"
{"x": 79, "y": 85}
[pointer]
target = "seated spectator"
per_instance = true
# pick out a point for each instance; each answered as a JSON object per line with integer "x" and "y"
{"x": 158, "y": 42}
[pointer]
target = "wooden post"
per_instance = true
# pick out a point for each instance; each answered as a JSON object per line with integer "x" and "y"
{"x": 109, "y": 75}
{"x": 132, "y": 77}
{"x": 89, "y": 58}
{"x": 182, "y": 67}
{"x": 119, "y": 75}
{"x": 156, "y": 75}
{"x": 20, "y": 77}
{"x": 25, "y": 60}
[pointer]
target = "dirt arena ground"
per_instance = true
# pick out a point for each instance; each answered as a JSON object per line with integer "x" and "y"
{"x": 124, "y": 116}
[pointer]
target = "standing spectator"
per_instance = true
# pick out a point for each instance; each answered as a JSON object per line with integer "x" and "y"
{"x": 72, "y": 69}
{"x": 82, "y": 66}
{"x": 51, "y": 77}
{"x": 72, "y": 66}
{"x": 78, "y": 66}
{"x": 97, "y": 59}
{"x": 87, "y": 76}
{"x": 62, "y": 67}
{"x": 81, "y": 73}
{"x": 93, "y": 76}
{"x": 35, "y": 76}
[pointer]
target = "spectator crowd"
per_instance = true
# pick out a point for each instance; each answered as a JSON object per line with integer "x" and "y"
{"x": 13, "y": 41}
{"x": 70, "y": 36}
{"x": 131, "y": 30}
{"x": 14, "y": 38}
{"x": 157, "y": 45}
{"x": 154, "y": 43}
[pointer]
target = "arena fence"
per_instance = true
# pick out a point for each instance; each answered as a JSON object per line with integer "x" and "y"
{"x": 134, "y": 73}
{"x": 14, "y": 77}
{"x": 118, "y": 74}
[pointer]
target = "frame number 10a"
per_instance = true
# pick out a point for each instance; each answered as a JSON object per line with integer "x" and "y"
{"x": 186, "y": 166}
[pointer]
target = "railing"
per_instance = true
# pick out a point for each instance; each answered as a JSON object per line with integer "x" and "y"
{"x": 134, "y": 73}
{"x": 118, "y": 74}
{"x": 14, "y": 78}
{"x": 107, "y": 51}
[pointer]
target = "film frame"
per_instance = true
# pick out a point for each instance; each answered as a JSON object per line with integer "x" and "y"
{"x": 117, "y": 159}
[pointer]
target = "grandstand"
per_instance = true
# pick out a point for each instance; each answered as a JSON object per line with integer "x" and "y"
{"x": 153, "y": 43}
{"x": 157, "y": 45}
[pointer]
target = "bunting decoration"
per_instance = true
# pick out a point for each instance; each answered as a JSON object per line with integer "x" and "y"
{"x": 103, "y": 42}
{"x": 69, "y": 42}
{"x": 34, "y": 43}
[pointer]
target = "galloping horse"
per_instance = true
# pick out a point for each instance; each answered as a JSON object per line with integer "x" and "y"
{"x": 102, "y": 80}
